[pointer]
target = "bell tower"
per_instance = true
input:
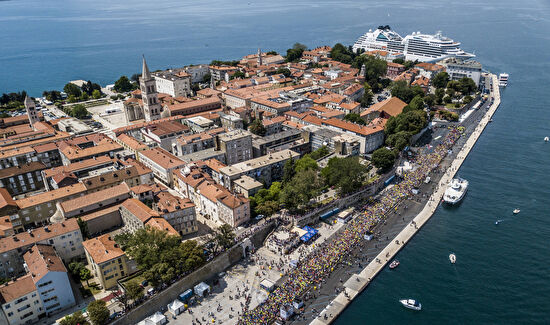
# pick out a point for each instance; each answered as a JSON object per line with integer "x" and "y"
{"x": 151, "y": 105}
{"x": 31, "y": 111}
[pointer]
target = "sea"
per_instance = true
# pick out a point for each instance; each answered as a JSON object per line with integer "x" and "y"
{"x": 501, "y": 275}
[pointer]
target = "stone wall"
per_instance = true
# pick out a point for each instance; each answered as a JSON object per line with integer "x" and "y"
{"x": 205, "y": 273}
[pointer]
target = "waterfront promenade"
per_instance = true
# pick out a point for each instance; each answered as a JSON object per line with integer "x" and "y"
{"x": 359, "y": 281}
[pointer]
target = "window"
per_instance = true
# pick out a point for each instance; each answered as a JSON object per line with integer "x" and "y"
{"x": 7, "y": 306}
{"x": 10, "y": 314}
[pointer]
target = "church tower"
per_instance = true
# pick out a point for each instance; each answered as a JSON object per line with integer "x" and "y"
{"x": 363, "y": 71}
{"x": 260, "y": 63}
{"x": 151, "y": 106}
{"x": 31, "y": 111}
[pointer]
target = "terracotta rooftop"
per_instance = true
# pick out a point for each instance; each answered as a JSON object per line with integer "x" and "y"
{"x": 102, "y": 249}
{"x": 131, "y": 142}
{"x": 51, "y": 196}
{"x": 40, "y": 234}
{"x": 31, "y": 167}
{"x": 5, "y": 198}
{"x": 167, "y": 202}
{"x": 162, "y": 224}
{"x": 114, "y": 177}
{"x": 139, "y": 209}
{"x": 83, "y": 201}
{"x": 16, "y": 289}
{"x": 162, "y": 157}
{"x": 77, "y": 166}
{"x": 391, "y": 106}
{"x": 41, "y": 259}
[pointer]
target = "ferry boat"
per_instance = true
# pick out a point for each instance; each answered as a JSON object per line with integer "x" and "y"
{"x": 456, "y": 191}
{"x": 503, "y": 80}
{"x": 452, "y": 258}
{"x": 394, "y": 264}
{"x": 411, "y": 304}
{"x": 415, "y": 46}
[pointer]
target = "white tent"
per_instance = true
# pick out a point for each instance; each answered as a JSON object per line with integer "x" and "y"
{"x": 155, "y": 319}
{"x": 176, "y": 307}
{"x": 202, "y": 289}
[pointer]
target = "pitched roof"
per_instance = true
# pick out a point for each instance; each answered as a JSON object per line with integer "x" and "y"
{"x": 77, "y": 166}
{"x": 391, "y": 106}
{"x": 163, "y": 225}
{"x": 39, "y": 234}
{"x": 167, "y": 202}
{"x": 51, "y": 196}
{"x": 139, "y": 209}
{"x": 162, "y": 157}
{"x": 5, "y": 198}
{"x": 16, "y": 289}
{"x": 41, "y": 259}
{"x": 92, "y": 198}
{"x": 102, "y": 249}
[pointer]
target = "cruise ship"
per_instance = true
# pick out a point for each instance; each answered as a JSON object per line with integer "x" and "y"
{"x": 416, "y": 46}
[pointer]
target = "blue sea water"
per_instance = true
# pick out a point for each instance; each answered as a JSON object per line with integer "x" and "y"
{"x": 501, "y": 276}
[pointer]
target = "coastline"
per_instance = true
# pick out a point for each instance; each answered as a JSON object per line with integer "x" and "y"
{"x": 359, "y": 281}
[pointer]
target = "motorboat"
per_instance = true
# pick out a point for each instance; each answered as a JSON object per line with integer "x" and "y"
{"x": 503, "y": 79}
{"x": 411, "y": 304}
{"x": 546, "y": 139}
{"x": 456, "y": 191}
{"x": 394, "y": 264}
{"x": 516, "y": 211}
{"x": 452, "y": 258}
{"x": 498, "y": 221}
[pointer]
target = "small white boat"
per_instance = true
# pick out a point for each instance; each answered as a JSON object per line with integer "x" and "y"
{"x": 498, "y": 221}
{"x": 411, "y": 304}
{"x": 452, "y": 258}
{"x": 503, "y": 79}
{"x": 394, "y": 264}
{"x": 546, "y": 139}
{"x": 516, "y": 211}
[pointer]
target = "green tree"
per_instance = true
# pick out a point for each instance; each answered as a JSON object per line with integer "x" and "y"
{"x": 288, "y": 171}
{"x": 367, "y": 97}
{"x": 133, "y": 290}
{"x": 305, "y": 163}
{"x": 85, "y": 275}
{"x": 302, "y": 188}
{"x": 257, "y": 127}
{"x": 79, "y": 111}
{"x": 440, "y": 80}
{"x": 266, "y": 201}
{"x": 83, "y": 228}
{"x": 340, "y": 53}
{"x": 206, "y": 78}
{"x": 225, "y": 237}
{"x": 454, "y": 85}
{"x": 72, "y": 99}
{"x": 383, "y": 158}
{"x": 375, "y": 69}
{"x": 96, "y": 94}
{"x": 238, "y": 74}
{"x": 401, "y": 90}
{"x": 123, "y": 85}
{"x": 85, "y": 96}
{"x": 439, "y": 94}
{"x": 447, "y": 99}
{"x": 398, "y": 140}
{"x": 150, "y": 247}
{"x": 320, "y": 153}
{"x": 417, "y": 103}
{"x": 285, "y": 71}
{"x": 72, "y": 89}
{"x": 430, "y": 100}
{"x": 466, "y": 85}
{"x": 355, "y": 118}
{"x": 272, "y": 53}
{"x": 98, "y": 312}
{"x": 52, "y": 95}
{"x": 398, "y": 61}
{"x": 74, "y": 319}
{"x": 347, "y": 174}
{"x": 467, "y": 99}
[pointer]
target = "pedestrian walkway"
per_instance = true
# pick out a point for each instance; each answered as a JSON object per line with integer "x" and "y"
{"x": 361, "y": 280}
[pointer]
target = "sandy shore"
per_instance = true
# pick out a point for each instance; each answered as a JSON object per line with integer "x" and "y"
{"x": 358, "y": 282}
